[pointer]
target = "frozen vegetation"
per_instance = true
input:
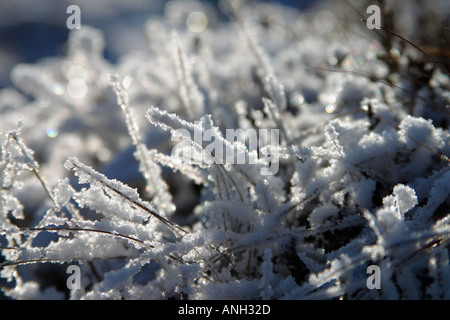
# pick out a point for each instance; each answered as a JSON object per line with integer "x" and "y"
{"x": 89, "y": 175}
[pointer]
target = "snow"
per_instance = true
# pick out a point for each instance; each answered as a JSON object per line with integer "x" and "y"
{"x": 358, "y": 174}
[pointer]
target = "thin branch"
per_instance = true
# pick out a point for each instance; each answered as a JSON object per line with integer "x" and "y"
{"x": 382, "y": 81}
{"x": 410, "y": 43}
{"x": 171, "y": 225}
{"x": 114, "y": 234}
{"x": 36, "y": 173}
{"x": 46, "y": 260}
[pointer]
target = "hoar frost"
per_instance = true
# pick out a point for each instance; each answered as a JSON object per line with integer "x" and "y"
{"x": 272, "y": 155}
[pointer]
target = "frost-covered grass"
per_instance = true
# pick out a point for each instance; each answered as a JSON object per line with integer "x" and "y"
{"x": 88, "y": 175}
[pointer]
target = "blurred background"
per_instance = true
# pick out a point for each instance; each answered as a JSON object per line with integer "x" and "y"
{"x": 31, "y": 30}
